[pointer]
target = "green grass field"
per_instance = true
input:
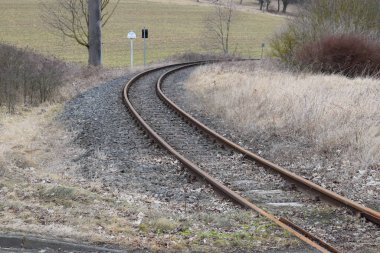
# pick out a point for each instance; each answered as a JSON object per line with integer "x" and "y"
{"x": 173, "y": 29}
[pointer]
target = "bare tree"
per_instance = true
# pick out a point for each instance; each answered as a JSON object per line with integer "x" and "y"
{"x": 268, "y": 3}
{"x": 261, "y": 2}
{"x": 218, "y": 25}
{"x": 285, "y": 5}
{"x": 71, "y": 19}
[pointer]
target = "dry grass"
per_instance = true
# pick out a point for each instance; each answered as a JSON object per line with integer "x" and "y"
{"x": 19, "y": 132}
{"x": 327, "y": 113}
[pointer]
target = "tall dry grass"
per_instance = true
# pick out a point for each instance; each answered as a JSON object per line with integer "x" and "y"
{"x": 328, "y": 112}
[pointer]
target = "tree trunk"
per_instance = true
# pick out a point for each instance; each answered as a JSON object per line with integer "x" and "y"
{"x": 95, "y": 34}
{"x": 261, "y": 4}
{"x": 285, "y": 5}
{"x": 278, "y": 5}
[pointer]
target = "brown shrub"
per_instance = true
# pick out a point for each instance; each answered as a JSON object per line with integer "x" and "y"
{"x": 350, "y": 55}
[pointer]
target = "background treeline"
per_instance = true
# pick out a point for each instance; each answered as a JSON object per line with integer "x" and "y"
{"x": 27, "y": 78}
{"x": 334, "y": 36}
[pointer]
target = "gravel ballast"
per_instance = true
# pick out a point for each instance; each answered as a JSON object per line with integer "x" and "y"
{"x": 123, "y": 158}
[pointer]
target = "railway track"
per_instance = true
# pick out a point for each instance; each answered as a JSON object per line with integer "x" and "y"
{"x": 243, "y": 176}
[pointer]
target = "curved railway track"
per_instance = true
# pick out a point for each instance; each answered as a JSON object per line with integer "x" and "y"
{"x": 229, "y": 168}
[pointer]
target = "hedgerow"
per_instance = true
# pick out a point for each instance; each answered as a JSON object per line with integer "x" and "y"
{"x": 28, "y": 78}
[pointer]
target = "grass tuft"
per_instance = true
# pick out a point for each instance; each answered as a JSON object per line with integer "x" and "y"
{"x": 165, "y": 225}
{"x": 64, "y": 195}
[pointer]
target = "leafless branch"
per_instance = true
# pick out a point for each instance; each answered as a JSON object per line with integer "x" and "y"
{"x": 70, "y": 18}
{"x": 218, "y": 25}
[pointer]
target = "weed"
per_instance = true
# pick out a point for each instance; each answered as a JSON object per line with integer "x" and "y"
{"x": 2, "y": 170}
{"x": 19, "y": 159}
{"x": 164, "y": 225}
{"x": 214, "y": 235}
{"x": 186, "y": 233}
{"x": 222, "y": 243}
{"x": 62, "y": 195}
{"x": 143, "y": 227}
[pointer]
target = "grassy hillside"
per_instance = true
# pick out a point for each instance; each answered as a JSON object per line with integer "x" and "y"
{"x": 173, "y": 28}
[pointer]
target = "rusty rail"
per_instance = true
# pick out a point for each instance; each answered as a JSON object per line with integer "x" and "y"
{"x": 306, "y": 237}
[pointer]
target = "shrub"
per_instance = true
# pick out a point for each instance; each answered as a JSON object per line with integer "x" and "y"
{"x": 282, "y": 47}
{"x": 350, "y": 55}
{"x": 27, "y": 77}
{"x": 321, "y": 18}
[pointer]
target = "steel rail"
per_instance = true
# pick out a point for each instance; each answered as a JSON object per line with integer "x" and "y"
{"x": 319, "y": 245}
{"x": 369, "y": 214}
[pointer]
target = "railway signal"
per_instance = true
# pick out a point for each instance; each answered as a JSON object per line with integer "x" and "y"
{"x": 144, "y": 35}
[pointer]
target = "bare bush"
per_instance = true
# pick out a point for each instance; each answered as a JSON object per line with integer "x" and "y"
{"x": 10, "y": 63}
{"x": 27, "y": 78}
{"x": 351, "y": 55}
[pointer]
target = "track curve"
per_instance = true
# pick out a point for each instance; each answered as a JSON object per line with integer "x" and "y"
{"x": 282, "y": 222}
{"x": 370, "y": 214}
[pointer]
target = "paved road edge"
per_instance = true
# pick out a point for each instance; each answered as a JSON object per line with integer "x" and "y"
{"x": 33, "y": 242}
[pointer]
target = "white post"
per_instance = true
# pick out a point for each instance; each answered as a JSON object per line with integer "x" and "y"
{"x": 131, "y": 36}
{"x": 131, "y": 53}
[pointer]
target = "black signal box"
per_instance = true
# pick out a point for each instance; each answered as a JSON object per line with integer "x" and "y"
{"x": 144, "y": 33}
